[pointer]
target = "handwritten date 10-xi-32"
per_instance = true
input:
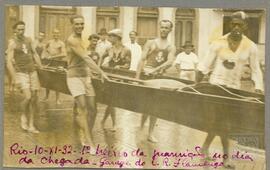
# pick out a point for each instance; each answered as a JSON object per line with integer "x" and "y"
{"x": 105, "y": 157}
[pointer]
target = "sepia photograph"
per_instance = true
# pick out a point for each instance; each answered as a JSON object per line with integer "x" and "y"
{"x": 136, "y": 87}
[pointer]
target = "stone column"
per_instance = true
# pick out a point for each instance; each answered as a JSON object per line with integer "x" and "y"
{"x": 30, "y": 15}
{"x": 128, "y": 22}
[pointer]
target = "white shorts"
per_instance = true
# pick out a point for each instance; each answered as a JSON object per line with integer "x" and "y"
{"x": 80, "y": 86}
{"x": 27, "y": 80}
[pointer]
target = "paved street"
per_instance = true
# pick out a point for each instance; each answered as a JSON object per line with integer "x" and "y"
{"x": 57, "y": 129}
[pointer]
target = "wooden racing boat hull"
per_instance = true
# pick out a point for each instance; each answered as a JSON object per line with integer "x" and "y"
{"x": 205, "y": 112}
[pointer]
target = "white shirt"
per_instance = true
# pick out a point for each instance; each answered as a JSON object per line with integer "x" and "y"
{"x": 136, "y": 52}
{"x": 187, "y": 61}
{"x": 102, "y": 46}
{"x": 220, "y": 51}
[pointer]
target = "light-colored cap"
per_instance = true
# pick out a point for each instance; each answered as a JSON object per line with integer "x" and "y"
{"x": 240, "y": 15}
{"x": 116, "y": 32}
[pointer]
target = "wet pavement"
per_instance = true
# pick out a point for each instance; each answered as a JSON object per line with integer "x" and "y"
{"x": 58, "y": 139}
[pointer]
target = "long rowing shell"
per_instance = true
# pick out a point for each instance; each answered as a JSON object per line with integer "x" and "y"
{"x": 202, "y": 111}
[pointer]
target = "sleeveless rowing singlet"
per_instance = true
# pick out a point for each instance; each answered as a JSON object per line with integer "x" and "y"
{"x": 120, "y": 59}
{"x": 23, "y": 55}
{"x": 157, "y": 56}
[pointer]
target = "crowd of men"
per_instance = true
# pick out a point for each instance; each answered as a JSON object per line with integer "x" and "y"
{"x": 223, "y": 65}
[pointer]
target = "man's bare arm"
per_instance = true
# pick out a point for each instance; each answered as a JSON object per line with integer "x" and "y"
{"x": 145, "y": 51}
{"x": 101, "y": 59}
{"x": 10, "y": 56}
{"x": 256, "y": 72}
{"x": 36, "y": 56}
{"x": 79, "y": 51}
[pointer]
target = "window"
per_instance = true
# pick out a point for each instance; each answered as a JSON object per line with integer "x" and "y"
{"x": 56, "y": 17}
{"x": 254, "y": 19}
{"x": 147, "y": 23}
{"x": 107, "y": 17}
{"x": 184, "y": 27}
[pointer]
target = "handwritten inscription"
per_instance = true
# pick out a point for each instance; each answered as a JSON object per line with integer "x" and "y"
{"x": 110, "y": 157}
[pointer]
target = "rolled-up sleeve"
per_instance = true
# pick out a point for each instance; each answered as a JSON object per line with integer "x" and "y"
{"x": 256, "y": 72}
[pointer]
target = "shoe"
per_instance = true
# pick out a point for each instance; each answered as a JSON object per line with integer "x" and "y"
{"x": 32, "y": 130}
{"x": 24, "y": 122}
{"x": 152, "y": 139}
{"x": 92, "y": 148}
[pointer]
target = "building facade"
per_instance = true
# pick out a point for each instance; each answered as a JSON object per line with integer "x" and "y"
{"x": 198, "y": 25}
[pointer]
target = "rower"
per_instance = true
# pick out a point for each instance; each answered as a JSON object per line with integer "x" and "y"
{"x": 40, "y": 44}
{"x": 118, "y": 57}
{"x": 79, "y": 80}
{"x": 54, "y": 49}
{"x": 226, "y": 59}
{"x": 21, "y": 60}
{"x": 157, "y": 56}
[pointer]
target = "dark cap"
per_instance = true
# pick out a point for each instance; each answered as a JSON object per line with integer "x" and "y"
{"x": 188, "y": 44}
{"x": 102, "y": 31}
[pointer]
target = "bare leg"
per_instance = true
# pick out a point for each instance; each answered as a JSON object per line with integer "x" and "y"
{"x": 34, "y": 104}
{"x": 25, "y": 105}
{"x": 113, "y": 114}
{"x": 10, "y": 85}
{"x": 210, "y": 137}
{"x": 92, "y": 110}
{"x": 110, "y": 110}
{"x": 57, "y": 94}
{"x": 106, "y": 115}
{"x": 225, "y": 145}
{"x": 151, "y": 137}
{"x": 143, "y": 120}
{"x": 82, "y": 120}
{"x": 47, "y": 94}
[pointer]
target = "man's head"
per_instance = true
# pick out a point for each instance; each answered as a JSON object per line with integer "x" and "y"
{"x": 188, "y": 47}
{"x": 165, "y": 28}
{"x": 56, "y": 34}
{"x": 115, "y": 36}
{"x": 132, "y": 36}
{"x": 77, "y": 22}
{"x": 103, "y": 34}
{"x": 41, "y": 36}
{"x": 19, "y": 28}
{"x": 238, "y": 24}
{"x": 93, "y": 39}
